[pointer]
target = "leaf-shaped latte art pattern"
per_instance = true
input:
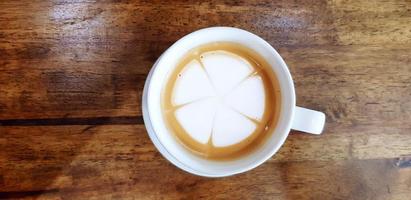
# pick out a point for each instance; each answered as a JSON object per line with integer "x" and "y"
{"x": 219, "y": 99}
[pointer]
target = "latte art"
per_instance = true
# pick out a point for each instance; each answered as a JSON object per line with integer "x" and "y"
{"x": 220, "y": 102}
{"x": 217, "y": 108}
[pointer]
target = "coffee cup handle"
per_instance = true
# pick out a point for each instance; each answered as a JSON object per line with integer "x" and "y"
{"x": 309, "y": 121}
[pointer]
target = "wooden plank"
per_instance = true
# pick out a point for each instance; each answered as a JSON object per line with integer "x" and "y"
{"x": 79, "y": 59}
{"x": 381, "y": 77}
{"x": 288, "y": 23}
{"x": 120, "y": 161}
{"x": 60, "y": 87}
{"x": 361, "y": 179}
{"x": 285, "y": 22}
{"x": 50, "y": 59}
{"x": 372, "y": 22}
{"x": 354, "y": 85}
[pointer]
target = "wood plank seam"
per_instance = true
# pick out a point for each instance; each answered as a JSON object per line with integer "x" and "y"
{"x": 122, "y": 120}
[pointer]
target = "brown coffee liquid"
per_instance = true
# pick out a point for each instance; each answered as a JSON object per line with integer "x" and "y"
{"x": 265, "y": 126}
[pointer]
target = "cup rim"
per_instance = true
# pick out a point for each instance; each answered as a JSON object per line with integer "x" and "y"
{"x": 147, "y": 106}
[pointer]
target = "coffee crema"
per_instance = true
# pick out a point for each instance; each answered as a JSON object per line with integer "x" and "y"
{"x": 221, "y": 101}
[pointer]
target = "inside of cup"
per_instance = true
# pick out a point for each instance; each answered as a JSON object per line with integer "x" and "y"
{"x": 184, "y": 158}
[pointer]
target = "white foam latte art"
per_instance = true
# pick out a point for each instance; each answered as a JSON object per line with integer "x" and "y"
{"x": 220, "y": 98}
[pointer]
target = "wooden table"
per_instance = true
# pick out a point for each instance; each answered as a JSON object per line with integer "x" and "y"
{"x": 72, "y": 73}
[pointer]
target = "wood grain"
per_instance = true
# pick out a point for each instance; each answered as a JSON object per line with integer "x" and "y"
{"x": 119, "y": 161}
{"x": 66, "y": 52}
{"x": 72, "y": 73}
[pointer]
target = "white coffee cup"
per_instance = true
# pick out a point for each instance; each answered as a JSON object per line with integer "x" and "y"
{"x": 291, "y": 116}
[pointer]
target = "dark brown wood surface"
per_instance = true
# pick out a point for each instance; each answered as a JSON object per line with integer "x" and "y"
{"x": 72, "y": 73}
